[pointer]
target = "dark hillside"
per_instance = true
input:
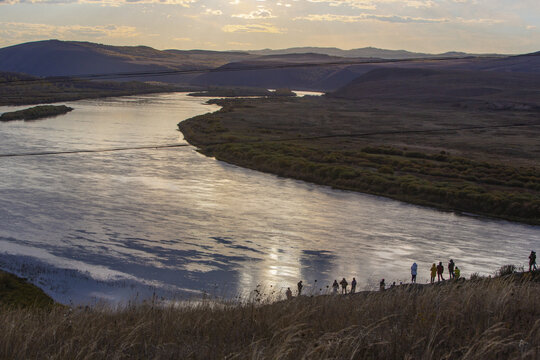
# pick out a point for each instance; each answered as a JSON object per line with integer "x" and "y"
{"x": 58, "y": 58}
{"x": 444, "y": 85}
{"x": 70, "y": 58}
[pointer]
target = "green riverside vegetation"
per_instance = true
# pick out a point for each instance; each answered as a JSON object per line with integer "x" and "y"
{"x": 286, "y": 142}
{"x": 36, "y": 112}
{"x": 477, "y": 319}
{"x": 18, "y": 293}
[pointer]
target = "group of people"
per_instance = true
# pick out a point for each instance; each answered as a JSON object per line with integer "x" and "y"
{"x": 436, "y": 270}
{"x": 453, "y": 271}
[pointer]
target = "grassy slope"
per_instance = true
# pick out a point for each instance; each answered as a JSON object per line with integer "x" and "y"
{"x": 495, "y": 318}
{"x": 489, "y": 171}
{"x": 16, "y": 292}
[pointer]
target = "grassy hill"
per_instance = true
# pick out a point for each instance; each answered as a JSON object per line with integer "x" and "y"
{"x": 444, "y": 85}
{"x": 483, "y": 318}
{"x": 72, "y": 58}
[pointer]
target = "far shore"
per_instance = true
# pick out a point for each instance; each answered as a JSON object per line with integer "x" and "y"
{"x": 354, "y": 145}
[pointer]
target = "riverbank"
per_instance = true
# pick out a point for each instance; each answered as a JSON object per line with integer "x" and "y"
{"x": 36, "y": 112}
{"x": 464, "y": 160}
{"x": 22, "y": 89}
{"x": 484, "y": 318}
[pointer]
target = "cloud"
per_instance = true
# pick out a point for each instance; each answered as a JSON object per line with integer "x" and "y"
{"x": 212, "y": 12}
{"x": 372, "y": 4}
{"x": 16, "y": 31}
{"x": 260, "y": 13}
{"x": 185, "y": 3}
{"x": 364, "y": 17}
{"x": 253, "y": 28}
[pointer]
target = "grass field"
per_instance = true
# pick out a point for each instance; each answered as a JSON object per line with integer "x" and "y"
{"x": 464, "y": 158}
{"x": 482, "y": 318}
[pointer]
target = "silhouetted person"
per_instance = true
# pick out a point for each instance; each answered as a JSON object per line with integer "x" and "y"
{"x": 440, "y": 271}
{"x": 393, "y": 285}
{"x": 335, "y": 287}
{"x": 353, "y": 286}
{"x": 451, "y": 266}
{"x": 457, "y": 273}
{"x": 382, "y": 285}
{"x": 433, "y": 272}
{"x": 288, "y": 293}
{"x": 532, "y": 261}
{"x": 300, "y": 286}
{"x": 344, "y": 284}
{"x": 414, "y": 271}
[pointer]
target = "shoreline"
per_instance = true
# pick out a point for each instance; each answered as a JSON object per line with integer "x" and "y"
{"x": 219, "y": 135}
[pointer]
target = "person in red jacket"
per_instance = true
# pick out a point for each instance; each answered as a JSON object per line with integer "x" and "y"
{"x": 440, "y": 270}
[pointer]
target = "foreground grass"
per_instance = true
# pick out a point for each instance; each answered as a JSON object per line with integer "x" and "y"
{"x": 469, "y": 171}
{"x": 495, "y": 318}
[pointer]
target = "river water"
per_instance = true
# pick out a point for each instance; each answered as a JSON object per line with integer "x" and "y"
{"x": 125, "y": 224}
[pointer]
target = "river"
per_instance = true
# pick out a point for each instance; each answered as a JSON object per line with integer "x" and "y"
{"x": 122, "y": 225}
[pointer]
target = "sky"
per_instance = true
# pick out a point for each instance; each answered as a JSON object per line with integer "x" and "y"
{"x": 432, "y": 26}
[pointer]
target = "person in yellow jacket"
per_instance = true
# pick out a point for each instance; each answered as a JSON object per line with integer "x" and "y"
{"x": 433, "y": 272}
{"x": 457, "y": 273}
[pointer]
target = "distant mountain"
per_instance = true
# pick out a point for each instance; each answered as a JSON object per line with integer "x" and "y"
{"x": 367, "y": 52}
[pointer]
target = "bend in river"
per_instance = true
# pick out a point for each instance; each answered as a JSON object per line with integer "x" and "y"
{"x": 114, "y": 225}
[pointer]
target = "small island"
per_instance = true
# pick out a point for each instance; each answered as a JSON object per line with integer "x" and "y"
{"x": 36, "y": 112}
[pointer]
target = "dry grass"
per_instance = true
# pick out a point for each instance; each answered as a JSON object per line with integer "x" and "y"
{"x": 484, "y": 319}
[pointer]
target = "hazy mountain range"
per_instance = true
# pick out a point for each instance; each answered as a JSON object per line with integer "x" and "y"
{"x": 308, "y": 68}
{"x": 367, "y": 52}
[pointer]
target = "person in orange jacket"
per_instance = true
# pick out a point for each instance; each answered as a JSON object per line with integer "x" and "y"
{"x": 433, "y": 272}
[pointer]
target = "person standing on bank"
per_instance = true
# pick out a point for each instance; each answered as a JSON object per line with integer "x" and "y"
{"x": 451, "y": 266}
{"x": 382, "y": 285}
{"x": 532, "y": 261}
{"x": 335, "y": 287}
{"x": 353, "y": 285}
{"x": 414, "y": 270}
{"x": 288, "y": 293}
{"x": 344, "y": 284}
{"x": 433, "y": 272}
{"x": 300, "y": 286}
{"x": 440, "y": 271}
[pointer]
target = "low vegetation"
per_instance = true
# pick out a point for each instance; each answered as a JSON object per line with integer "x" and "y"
{"x": 20, "y": 89}
{"x": 18, "y": 293}
{"x": 305, "y": 140}
{"x": 36, "y": 112}
{"x": 486, "y": 318}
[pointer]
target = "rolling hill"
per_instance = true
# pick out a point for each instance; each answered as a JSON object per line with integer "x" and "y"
{"x": 499, "y": 89}
{"x": 327, "y": 69}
